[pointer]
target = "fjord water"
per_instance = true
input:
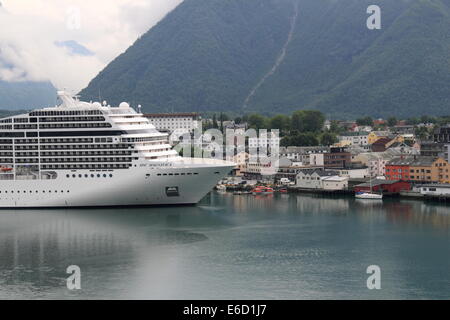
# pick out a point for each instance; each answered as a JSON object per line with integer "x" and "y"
{"x": 230, "y": 247}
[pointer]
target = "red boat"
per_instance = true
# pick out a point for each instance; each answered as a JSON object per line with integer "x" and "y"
{"x": 4, "y": 169}
{"x": 262, "y": 190}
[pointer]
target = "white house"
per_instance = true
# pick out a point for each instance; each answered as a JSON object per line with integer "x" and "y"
{"x": 355, "y": 138}
{"x": 270, "y": 141}
{"x": 241, "y": 159}
{"x": 172, "y": 121}
{"x": 435, "y": 189}
{"x": 305, "y": 155}
{"x": 335, "y": 183}
{"x": 354, "y": 173}
{"x": 313, "y": 178}
{"x": 316, "y": 159}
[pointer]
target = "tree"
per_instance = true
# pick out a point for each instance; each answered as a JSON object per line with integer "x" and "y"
{"x": 307, "y": 120}
{"x": 238, "y": 120}
{"x": 300, "y": 140}
{"x": 366, "y": 121}
{"x": 214, "y": 122}
{"x": 392, "y": 121}
{"x": 305, "y": 139}
{"x": 334, "y": 127}
{"x": 328, "y": 138}
{"x": 421, "y": 133}
{"x": 257, "y": 121}
{"x": 281, "y": 122}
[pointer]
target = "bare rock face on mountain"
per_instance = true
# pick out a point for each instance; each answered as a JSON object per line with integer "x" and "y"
{"x": 276, "y": 56}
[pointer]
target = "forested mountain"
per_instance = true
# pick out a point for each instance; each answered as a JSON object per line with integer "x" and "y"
{"x": 276, "y": 56}
{"x": 26, "y": 95}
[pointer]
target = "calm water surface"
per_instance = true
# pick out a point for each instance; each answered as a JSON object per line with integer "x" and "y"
{"x": 230, "y": 247}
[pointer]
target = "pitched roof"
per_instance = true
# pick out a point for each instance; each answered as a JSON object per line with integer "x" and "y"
{"x": 319, "y": 172}
{"x": 377, "y": 182}
{"x": 412, "y": 161}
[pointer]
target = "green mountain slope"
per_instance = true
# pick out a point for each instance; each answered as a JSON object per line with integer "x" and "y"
{"x": 253, "y": 56}
{"x": 26, "y": 95}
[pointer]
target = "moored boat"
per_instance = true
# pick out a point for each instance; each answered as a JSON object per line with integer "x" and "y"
{"x": 368, "y": 195}
{"x": 262, "y": 190}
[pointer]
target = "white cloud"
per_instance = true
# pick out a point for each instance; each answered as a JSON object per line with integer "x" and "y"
{"x": 30, "y": 28}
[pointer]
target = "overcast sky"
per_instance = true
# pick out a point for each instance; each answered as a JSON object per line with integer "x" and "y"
{"x": 29, "y": 30}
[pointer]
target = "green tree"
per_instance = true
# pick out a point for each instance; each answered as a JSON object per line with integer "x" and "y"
{"x": 281, "y": 122}
{"x": 366, "y": 121}
{"x": 214, "y": 122}
{"x": 307, "y": 120}
{"x": 421, "y": 133}
{"x": 300, "y": 140}
{"x": 328, "y": 138}
{"x": 334, "y": 127}
{"x": 257, "y": 121}
{"x": 391, "y": 121}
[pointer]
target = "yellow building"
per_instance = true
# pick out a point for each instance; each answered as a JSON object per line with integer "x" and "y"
{"x": 375, "y": 135}
{"x": 427, "y": 169}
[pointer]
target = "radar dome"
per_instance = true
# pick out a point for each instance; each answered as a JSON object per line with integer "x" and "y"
{"x": 124, "y": 105}
{"x": 97, "y": 104}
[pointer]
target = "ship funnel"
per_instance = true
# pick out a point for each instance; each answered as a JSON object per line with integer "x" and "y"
{"x": 67, "y": 99}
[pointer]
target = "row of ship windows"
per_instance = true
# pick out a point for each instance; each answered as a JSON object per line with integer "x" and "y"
{"x": 86, "y": 166}
{"x": 37, "y": 191}
{"x": 68, "y": 160}
{"x": 80, "y": 140}
{"x": 71, "y": 119}
{"x": 67, "y": 153}
{"x": 74, "y": 125}
{"x": 160, "y": 138}
{"x": 87, "y": 146}
{"x": 177, "y": 174}
{"x": 65, "y": 113}
{"x": 52, "y": 140}
{"x": 16, "y": 120}
{"x": 98, "y": 175}
{"x": 66, "y": 147}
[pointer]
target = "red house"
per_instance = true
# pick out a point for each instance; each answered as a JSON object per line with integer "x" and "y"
{"x": 386, "y": 186}
{"x": 398, "y": 169}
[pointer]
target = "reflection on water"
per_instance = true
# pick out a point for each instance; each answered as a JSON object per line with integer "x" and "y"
{"x": 238, "y": 247}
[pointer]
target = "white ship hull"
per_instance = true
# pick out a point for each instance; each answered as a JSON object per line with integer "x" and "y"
{"x": 143, "y": 185}
{"x": 82, "y": 154}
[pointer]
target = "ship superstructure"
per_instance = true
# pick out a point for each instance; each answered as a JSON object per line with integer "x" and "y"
{"x": 92, "y": 154}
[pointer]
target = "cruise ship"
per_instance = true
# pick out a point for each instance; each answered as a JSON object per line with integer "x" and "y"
{"x": 81, "y": 154}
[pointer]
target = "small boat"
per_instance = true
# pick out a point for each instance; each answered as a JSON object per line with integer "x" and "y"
{"x": 5, "y": 169}
{"x": 368, "y": 195}
{"x": 221, "y": 187}
{"x": 262, "y": 190}
{"x": 284, "y": 190}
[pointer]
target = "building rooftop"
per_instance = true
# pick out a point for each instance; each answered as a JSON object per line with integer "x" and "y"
{"x": 377, "y": 182}
{"x": 436, "y": 185}
{"x": 304, "y": 150}
{"x": 168, "y": 115}
{"x": 354, "y": 134}
{"x": 320, "y": 172}
{"x": 417, "y": 161}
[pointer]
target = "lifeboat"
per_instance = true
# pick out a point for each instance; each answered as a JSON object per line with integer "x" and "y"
{"x": 262, "y": 190}
{"x": 4, "y": 169}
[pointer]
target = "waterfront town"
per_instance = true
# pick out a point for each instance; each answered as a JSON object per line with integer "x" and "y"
{"x": 392, "y": 157}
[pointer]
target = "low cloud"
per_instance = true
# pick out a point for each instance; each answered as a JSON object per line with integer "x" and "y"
{"x": 29, "y": 31}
